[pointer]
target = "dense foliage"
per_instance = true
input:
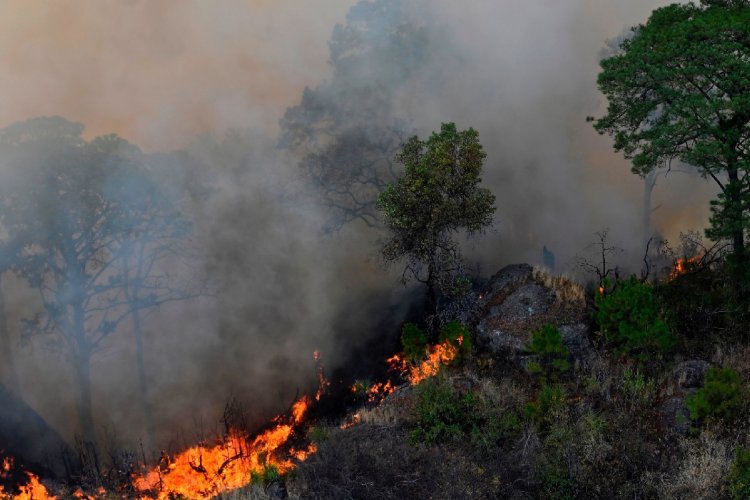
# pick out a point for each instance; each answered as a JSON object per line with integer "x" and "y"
{"x": 630, "y": 318}
{"x": 680, "y": 89}
{"x": 437, "y": 197}
{"x": 443, "y": 413}
{"x": 413, "y": 341}
{"x": 739, "y": 477}
{"x": 722, "y": 397}
{"x": 547, "y": 344}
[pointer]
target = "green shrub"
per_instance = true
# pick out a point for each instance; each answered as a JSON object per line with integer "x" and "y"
{"x": 458, "y": 335}
{"x": 555, "y": 481}
{"x": 739, "y": 477}
{"x": 637, "y": 388}
{"x": 631, "y": 321}
{"x": 413, "y": 341}
{"x": 720, "y": 398}
{"x": 317, "y": 434}
{"x": 551, "y": 402}
{"x": 361, "y": 387}
{"x": 547, "y": 344}
{"x": 267, "y": 475}
{"x": 495, "y": 427}
{"x": 442, "y": 413}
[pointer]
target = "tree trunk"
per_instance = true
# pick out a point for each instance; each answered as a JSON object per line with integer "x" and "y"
{"x": 143, "y": 382}
{"x": 739, "y": 265}
{"x": 85, "y": 408}
{"x": 6, "y": 350}
{"x": 649, "y": 182}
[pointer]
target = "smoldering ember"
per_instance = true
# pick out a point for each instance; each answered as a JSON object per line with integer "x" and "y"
{"x": 375, "y": 249}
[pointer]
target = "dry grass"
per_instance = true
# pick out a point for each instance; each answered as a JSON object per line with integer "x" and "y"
{"x": 566, "y": 290}
{"x": 384, "y": 415}
{"x": 252, "y": 492}
{"x": 737, "y": 358}
{"x": 503, "y": 395}
{"x": 703, "y": 471}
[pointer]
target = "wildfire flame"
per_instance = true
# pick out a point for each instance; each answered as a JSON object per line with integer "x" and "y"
{"x": 205, "y": 471}
{"x": 684, "y": 265}
{"x": 202, "y": 472}
{"x": 34, "y": 490}
{"x": 439, "y": 355}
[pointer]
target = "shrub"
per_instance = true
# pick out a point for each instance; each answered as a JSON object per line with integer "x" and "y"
{"x": 551, "y": 402}
{"x": 638, "y": 389}
{"x": 413, "y": 341}
{"x": 739, "y": 477}
{"x": 458, "y": 335}
{"x": 555, "y": 481}
{"x": 317, "y": 434}
{"x": 265, "y": 476}
{"x": 720, "y": 398}
{"x": 442, "y": 413}
{"x": 630, "y": 319}
{"x": 547, "y": 343}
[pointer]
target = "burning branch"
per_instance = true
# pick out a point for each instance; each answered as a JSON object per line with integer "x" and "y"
{"x": 199, "y": 467}
{"x": 228, "y": 461}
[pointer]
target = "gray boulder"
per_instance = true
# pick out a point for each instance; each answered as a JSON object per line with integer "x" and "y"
{"x": 519, "y": 300}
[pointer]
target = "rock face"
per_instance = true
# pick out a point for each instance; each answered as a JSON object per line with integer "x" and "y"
{"x": 686, "y": 379}
{"x": 519, "y": 300}
{"x": 26, "y": 436}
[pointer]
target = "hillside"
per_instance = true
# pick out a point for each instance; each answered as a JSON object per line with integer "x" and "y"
{"x": 584, "y": 421}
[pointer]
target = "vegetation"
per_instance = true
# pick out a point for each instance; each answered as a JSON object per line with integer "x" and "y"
{"x": 437, "y": 196}
{"x": 678, "y": 89}
{"x": 85, "y": 224}
{"x": 265, "y": 476}
{"x": 346, "y": 132}
{"x": 443, "y": 413}
{"x": 413, "y": 341}
{"x": 739, "y": 477}
{"x": 458, "y": 336}
{"x": 547, "y": 344}
{"x": 630, "y": 317}
{"x": 637, "y": 388}
{"x": 722, "y": 397}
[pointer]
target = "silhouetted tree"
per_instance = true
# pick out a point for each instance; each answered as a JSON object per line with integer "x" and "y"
{"x": 84, "y": 225}
{"x": 347, "y": 131}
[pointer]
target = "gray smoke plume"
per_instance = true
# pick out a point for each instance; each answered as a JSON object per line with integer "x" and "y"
{"x": 202, "y": 88}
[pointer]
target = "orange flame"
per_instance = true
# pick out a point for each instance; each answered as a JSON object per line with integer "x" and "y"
{"x": 33, "y": 490}
{"x": 203, "y": 472}
{"x": 440, "y": 354}
{"x": 684, "y": 265}
{"x": 354, "y": 421}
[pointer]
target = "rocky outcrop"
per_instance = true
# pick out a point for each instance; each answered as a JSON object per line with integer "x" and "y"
{"x": 519, "y": 300}
{"x": 27, "y": 437}
{"x": 686, "y": 378}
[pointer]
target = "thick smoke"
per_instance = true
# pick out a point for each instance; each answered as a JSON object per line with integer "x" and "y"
{"x": 179, "y": 75}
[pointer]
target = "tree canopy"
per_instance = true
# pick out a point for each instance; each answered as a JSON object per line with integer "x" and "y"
{"x": 347, "y": 130}
{"x": 437, "y": 196}
{"x": 680, "y": 89}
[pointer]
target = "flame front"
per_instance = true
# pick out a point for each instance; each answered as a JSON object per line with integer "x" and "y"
{"x": 33, "y": 490}
{"x": 202, "y": 472}
{"x": 440, "y": 354}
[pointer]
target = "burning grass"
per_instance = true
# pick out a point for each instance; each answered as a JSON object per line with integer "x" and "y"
{"x": 31, "y": 490}
{"x": 205, "y": 471}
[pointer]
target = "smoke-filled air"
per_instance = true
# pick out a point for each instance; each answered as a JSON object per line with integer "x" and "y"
{"x": 200, "y": 233}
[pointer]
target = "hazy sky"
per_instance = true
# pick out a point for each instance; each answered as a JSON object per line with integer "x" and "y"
{"x": 160, "y": 72}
